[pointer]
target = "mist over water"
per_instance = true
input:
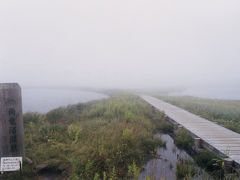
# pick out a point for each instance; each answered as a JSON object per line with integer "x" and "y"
{"x": 226, "y": 93}
{"x": 43, "y": 100}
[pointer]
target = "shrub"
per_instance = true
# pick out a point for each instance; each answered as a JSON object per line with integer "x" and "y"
{"x": 165, "y": 127}
{"x": 207, "y": 160}
{"x": 184, "y": 140}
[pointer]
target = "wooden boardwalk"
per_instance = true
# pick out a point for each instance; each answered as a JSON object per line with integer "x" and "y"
{"x": 221, "y": 139}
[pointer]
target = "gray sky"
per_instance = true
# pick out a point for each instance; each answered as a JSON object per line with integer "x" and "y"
{"x": 120, "y": 43}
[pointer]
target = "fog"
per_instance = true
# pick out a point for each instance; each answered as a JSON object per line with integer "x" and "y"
{"x": 120, "y": 44}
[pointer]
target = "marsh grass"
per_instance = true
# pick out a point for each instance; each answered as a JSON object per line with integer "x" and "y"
{"x": 185, "y": 169}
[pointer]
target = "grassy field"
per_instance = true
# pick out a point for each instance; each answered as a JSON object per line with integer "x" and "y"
{"x": 105, "y": 139}
{"x": 224, "y": 112}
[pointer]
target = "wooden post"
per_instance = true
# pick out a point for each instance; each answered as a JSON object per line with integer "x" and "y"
{"x": 166, "y": 118}
{"x": 197, "y": 144}
{"x": 176, "y": 127}
{"x": 11, "y": 121}
{"x": 228, "y": 163}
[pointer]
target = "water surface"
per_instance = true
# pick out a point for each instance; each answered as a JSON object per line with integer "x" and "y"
{"x": 166, "y": 165}
{"x": 43, "y": 100}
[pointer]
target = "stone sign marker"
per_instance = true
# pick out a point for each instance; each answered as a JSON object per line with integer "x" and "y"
{"x": 11, "y": 125}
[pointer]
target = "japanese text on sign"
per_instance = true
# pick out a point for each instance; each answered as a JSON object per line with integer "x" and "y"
{"x": 11, "y": 164}
{"x": 12, "y": 130}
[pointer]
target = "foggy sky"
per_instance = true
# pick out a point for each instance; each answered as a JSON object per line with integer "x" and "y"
{"x": 120, "y": 43}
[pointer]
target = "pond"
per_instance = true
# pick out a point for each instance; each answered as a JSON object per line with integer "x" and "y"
{"x": 165, "y": 166}
{"x": 45, "y": 99}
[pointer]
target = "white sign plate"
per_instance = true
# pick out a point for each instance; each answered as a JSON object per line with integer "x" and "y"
{"x": 10, "y": 164}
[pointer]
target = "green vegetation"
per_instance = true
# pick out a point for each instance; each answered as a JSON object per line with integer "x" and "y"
{"x": 106, "y": 139}
{"x": 211, "y": 163}
{"x": 208, "y": 160}
{"x": 224, "y": 112}
{"x": 183, "y": 140}
{"x": 185, "y": 169}
{"x": 165, "y": 127}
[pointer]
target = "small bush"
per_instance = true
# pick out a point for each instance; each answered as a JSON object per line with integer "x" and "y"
{"x": 165, "y": 127}
{"x": 31, "y": 118}
{"x": 184, "y": 140}
{"x": 150, "y": 144}
{"x": 208, "y": 160}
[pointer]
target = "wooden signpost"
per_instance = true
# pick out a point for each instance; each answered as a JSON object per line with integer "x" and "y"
{"x": 11, "y": 127}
